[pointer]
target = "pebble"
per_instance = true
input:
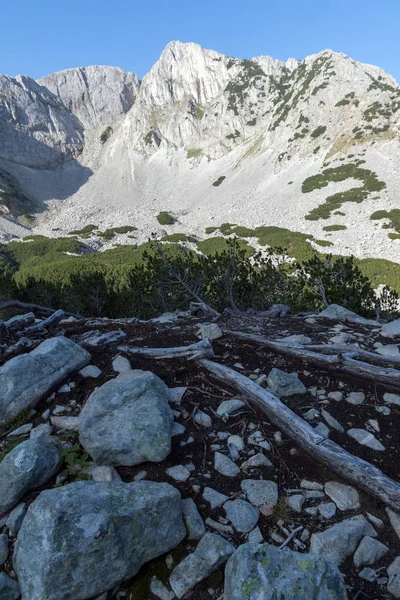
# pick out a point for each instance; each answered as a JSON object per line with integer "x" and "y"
{"x": 336, "y": 396}
{"x": 226, "y": 529}
{"x": 311, "y": 414}
{"x": 237, "y": 441}
{"x": 23, "y": 430}
{"x": 227, "y": 408}
{"x": 159, "y": 589}
{"x": 322, "y": 430}
{"x": 311, "y": 485}
{"x": 258, "y": 460}
{"x": 331, "y": 421}
{"x": 140, "y": 476}
{"x": 369, "y": 552}
{"x": 210, "y": 331}
{"x": 341, "y": 338}
{"x": 365, "y": 438}
{"x": 241, "y": 514}
{"x": 344, "y": 496}
{"x": 377, "y": 523}
{"x": 355, "y": 398}
{"x": 214, "y": 498}
{"x": 194, "y": 523}
{"x": 391, "y": 398}
{"x": 59, "y": 410}
{"x": 64, "y": 389}
{"x": 260, "y": 492}
{"x": 203, "y": 419}
{"x": 15, "y": 518}
{"x": 178, "y": 473}
{"x": 177, "y": 429}
{"x": 224, "y": 465}
{"x": 90, "y": 371}
{"x": 121, "y": 364}
{"x": 327, "y": 509}
{"x": 176, "y": 394}
{"x": 383, "y": 410}
{"x": 255, "y": 536}
{"x": 71, "y": 423}
{"x": 368, "y": 574}
{"x": 295, "y": 502}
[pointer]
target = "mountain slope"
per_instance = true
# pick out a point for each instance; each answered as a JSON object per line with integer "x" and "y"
{"x": 299, "y": 144}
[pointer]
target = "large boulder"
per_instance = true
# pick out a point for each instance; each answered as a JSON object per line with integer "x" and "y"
{"x": 340, "y": 313}
{"x": 128, "y": 420}
{"x": 25, "y": 379}
{"x": 80, "y": 540}
{"x": 26, "y": 467}
{"x": 262, "y": 572}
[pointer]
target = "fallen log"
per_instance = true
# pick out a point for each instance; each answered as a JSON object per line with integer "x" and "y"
{"x": 372, "y": 357}
{"x": 51, "y": 320}
{"x": 39, "y": 310}
{"x": 192, "y": 352}
{"x": 341, "y": 363}
{"x": 358, "y": 471}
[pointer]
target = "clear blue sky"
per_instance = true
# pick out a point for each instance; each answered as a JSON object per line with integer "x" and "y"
{"x": 39, "y": 37}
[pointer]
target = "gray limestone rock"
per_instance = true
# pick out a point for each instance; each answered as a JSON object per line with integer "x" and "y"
{"x": 344, "y": 496}
{"x": 29, "y": 465}
{"x": 15, "y": 518}
{"x": 339, "y": 541}
{"x": 211, "y": 552}
{"x": 260, "y": 492}
{"x": 242, "y": 515}
{"x": 43, "y": 368}
{"x": 262, "y": 572}
{"x": 369, "y": 552}
{"x": 9, "y": 588}
{"x": 389, "y": 398}
{"x": 127, "y": 420}
{"x": 339, "y": 313}
{"x": 394, "y": 577}
{"x": 214, "y": 498}
{"x": 355, "y": 398}
{"x": 194, "y": 523}
{"x": 285, "y": 384}
{"x": 224, "y": 465}
{"x": 80, "y": 540}
{"x": 391, "y": 329}
{"x": 365, "y": 438}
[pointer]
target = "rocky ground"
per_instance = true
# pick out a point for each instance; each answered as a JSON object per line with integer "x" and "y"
{"x": 241, "y": 478}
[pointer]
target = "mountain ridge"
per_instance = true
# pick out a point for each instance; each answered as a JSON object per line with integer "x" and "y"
{"x": 198, "y": 116}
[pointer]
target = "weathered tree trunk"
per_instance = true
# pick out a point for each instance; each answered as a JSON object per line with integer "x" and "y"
{"x": 192, "y": 352}
{"x": 51, "y": 320}
{"x": 352, "y": 468}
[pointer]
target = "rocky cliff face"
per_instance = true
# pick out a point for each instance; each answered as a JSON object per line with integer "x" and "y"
{"x": 96, "y": 95}
{"x": 117, "y": 151}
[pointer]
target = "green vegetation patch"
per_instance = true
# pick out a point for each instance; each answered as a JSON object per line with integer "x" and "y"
{"x": 393, "y": 216}
{"x": 209, "y": 230}
{"x": 85, "y": 232}
{"x": 193, "y": 153}
{"x": 179, "y": 237}
{"x": 250, "y": 75}
{"x": 109, "y": 234}
{"x": 318, "y": 131}
{"x": 323, "y": 243}
{"x": 107, "y": 133}
{"x": 216, "y": 245}
{"x": 370, "y": 181}
{"x": 219, "y": 181}
{"x": 343, "y": 102}
{"x": 335, "y": 228}
{"x": 164, "y": 218}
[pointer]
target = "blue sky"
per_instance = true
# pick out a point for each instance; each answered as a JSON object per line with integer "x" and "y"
{"x": 40, "y": 37}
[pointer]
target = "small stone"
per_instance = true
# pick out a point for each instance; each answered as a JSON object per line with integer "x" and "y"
{"x": 23, "y": 430}
{"x": 176, "y": 394}
{"x": 218, "y": 526}
{"x": 311, "y": 485}
{"x": 336, "y": 396}
{"x": 383, "y": 410}
{"x": 257, "y": 439}
{"x": 295, "y": 502}
{"x": 159, "y": 589}
{"x": 15, "y": 518}
{"x": 46, "y": 414}
{"x": 103, "y": 473}
{"x": 59, "y": 410}
{"x": 224, "y": 465}
{"x": 312, "y": 511}
{"x": 227, "y": 408}
{"x": 322, "y": 430}
{"x": 9, "y": 588}
{"x": 258, "y": 460}
{"x": 374, "y": 425}
{"x": 194, "y": 523}
{"x": 355, "y": 398}
{"x": 260, "y": 492}
{"x": 365, "y": 438}
{"x": 44, "y": 429}
{"x": 331, "y": 421}
{"x": 368, "y": 574}
{"x": 214, "y": 498}
{"x": 90, "y": 371}
{"x": 70, "y": 423}
{"x": 377, "y": 523}
{"x": 140, "y": 476}
{"x": 341, "y": 338}
{"x": 311, "y": 414}
{"x": 121, "y": 364}
{"x": 3, "y": 548}
{"x": 203, "y": 419}
{"x": 178, "y": 473}
{"x": 344, "y": 496}
{"x": 391, "y": 398}
{"x": 369, "y": 552}
{"x": 242, "y": 515}
{"x": 210, "y": 331}
{"x": 394, "y": 577}
{"x": 255, "y": 536}
{"x": 327, "y": 509}
{"x": 211, "y": 552}
{"x": 237, "y": 441}
{"x": 285, "y": 384}
{"x": 296, "y": 339}
{"x": 389, "y": 350}
{"x": 64, "y": 389}
{"x": 177, "y": 429}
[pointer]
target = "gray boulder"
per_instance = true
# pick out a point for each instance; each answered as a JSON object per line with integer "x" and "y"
{"x": 392, "y": 329}
{"x": 394, "y": 577}
{"x": 26, "y": 467}
{"x": 340, "y": 313}
{"x": 339, "y": 541}
{"x": 194, "y": 523}
{"x": 9, "y": 588}
{"x": 211, "y": 552}
{"x": 262, "y": 572}
{"x": 25, "y": 379}
{"x": 128, "y": 420}
{"x": 80, "y": 540}
{"x": 285, "y": 384}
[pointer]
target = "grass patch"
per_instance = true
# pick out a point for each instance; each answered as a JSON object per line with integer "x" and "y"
{"x": 335, "y": 228}
{"x": 193, "y": 153}
{"x": 209, "y": 230}
{"x": 179, "y": 237}
{"x": 393, "y": 216}
{"x": 219, "y": 181}
{"x": 164, "y": 218}
{"x": 323, "y": 243}
{"x": 318, "y": 131}
{"x": 107, "y": 133}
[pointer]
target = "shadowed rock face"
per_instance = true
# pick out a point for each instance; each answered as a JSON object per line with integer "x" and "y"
{"x": 96, "y": 95}
{"x": 36, "y": 129}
